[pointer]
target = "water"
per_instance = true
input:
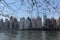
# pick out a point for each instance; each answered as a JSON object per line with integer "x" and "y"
{"x": 29, "y": 35}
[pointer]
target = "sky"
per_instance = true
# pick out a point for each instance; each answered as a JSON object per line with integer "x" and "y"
{"x": 21, "y": 10}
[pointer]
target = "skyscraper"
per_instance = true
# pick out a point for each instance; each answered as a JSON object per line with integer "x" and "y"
{"x": 2, "y": 25}
{"x": 53, "y": 22}
{"x": 29, "y": 22}
{"x": 15, "y": 24}
{"x": 33, "y": 23}
{"x": 21, "y": 24}
{"x": 7, "y": 24}
{"x": 38, "y": 22}
{"x": 26, "y": 24}
{"x": 47, "y": 23}
{"x": 58, "y": 22}
{"x": 44, "y": 18}
{"x": 11, "y": 22}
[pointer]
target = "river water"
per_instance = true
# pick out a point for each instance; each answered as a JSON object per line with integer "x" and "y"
{"x": 29, "y": 35}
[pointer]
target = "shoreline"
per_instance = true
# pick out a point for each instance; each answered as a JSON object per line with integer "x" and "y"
{"x": 34, "y": 29}
{"x": 43, "y": 29}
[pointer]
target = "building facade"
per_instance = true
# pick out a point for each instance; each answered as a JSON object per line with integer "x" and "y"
{"x": 21, "y": 24}
{"x": 58, "y": 22}
{"x": 7, "y": 24}
{"x": 2, "y": 25}
{"x": 38, "y": 22}
{"x": 48, "y": 23}
{"x": 11, "y": 22}
{"x": 33, "y": 23}
{"x": 54, "y": 23}
{"x": 15, "y": 24}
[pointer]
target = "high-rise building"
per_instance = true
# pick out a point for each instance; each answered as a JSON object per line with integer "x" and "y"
{"x": 53, "y": 22}
{"x": 29, "y": 22}
{"x": 58, "y": 22}
{"x": 11, "y": 22}
{"x": 47, "y": 23}
{"x": 21, "y": 24}
{"x": 2, "y": 24}
{"x": 15, "y": 24}
{"x": 33, "y": 23}
{"x": 44, "y": 17}
{"x": 7, "y": 24}
{"x": 38, "y": 22}
{"x": 25, "y": 23}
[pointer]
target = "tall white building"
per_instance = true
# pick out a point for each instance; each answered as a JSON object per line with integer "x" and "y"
{"x": 21, "y": 24}
{"x": 24, "y": 23}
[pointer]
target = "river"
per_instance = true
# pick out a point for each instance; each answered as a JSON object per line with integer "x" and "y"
{"x": 30, "y": 35}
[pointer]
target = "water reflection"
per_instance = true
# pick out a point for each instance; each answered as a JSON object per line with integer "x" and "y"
{"x": 51, "y": 35}
{"x": 12, "y": 35}
{"x": 30, "y": 35}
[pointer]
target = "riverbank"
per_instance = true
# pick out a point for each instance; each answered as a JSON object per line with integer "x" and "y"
{"x": 44, "y": 29}
{"x": 36, "y": 29}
